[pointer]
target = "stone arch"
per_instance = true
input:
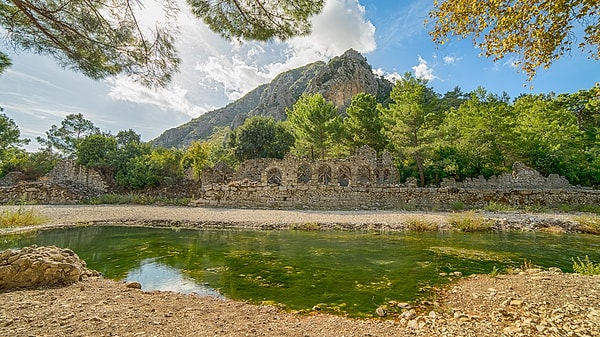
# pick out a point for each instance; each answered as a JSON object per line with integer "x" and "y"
{"x": 363, "y": 175}
{"x": 324, "y": 174}
{"x": 274, "y": 176}
{"x": 344, "y": 175}
{"x": 303, "y": 174}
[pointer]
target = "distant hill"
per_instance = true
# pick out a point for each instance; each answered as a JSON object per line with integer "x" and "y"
{"x": 338, "y": 80}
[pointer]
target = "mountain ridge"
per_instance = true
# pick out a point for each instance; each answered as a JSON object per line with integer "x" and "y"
{"x": 337, "y": 80}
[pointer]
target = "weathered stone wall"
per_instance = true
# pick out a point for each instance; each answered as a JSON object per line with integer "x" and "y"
{"x": 40, "y": 266}
{"x": 70, "y": 173}
{"x": 41, "y": 193}
{"x": 365, "y": 181}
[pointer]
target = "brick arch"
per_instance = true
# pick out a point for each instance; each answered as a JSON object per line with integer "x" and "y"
{"x": 344, "y": 175}
{"x": 274, "y": 175}
{"x": 303, "y": 173}
{"x": 324, "y": 173}
{"x": 363, "y": 175}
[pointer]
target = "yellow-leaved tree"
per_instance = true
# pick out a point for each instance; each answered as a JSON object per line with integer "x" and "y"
{"x": 537, "y": 32}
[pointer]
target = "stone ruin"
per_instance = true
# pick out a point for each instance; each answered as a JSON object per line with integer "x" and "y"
{"x": 363, "y": 169}
{"x": 366, "y": 181}
{"x": 521, "y": 177}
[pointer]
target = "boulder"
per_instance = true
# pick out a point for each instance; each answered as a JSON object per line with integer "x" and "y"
{"x": 39, "y": 266}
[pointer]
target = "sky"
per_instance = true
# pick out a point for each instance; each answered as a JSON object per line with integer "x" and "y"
{"x": 36, "y": 93}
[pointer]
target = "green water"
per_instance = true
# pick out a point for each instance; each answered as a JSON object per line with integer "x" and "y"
{"x": 343, "y": 272}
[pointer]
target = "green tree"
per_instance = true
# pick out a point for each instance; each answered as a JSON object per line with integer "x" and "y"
{"x": 364, "y": 124}
{"x": 538, "y": 32}
{"x": 73, "y": 128}
{"x": 261, "y": 137}
{"x": 97, "y": 151}
{"x": 102, "y": 39}
{"x": 547, "y": 137}
{"x": 197, "y": 157}
{"x": 411, "y": 121}
{"x": 316, "y": 125}
{"x": 159, "y": 167}
{"x": 478, "y": 131}
{"x": 9, "y": 143}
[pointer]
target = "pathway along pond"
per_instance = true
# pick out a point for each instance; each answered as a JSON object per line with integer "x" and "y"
{"x": 349, "y": 273}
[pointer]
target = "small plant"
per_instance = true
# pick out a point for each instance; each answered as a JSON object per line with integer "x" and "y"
{"x": 457, "y": 206}
{"x": 469, "y": 222}
{"x": 495, "y": 272}
{"x": 527, "y": 264}
{"x": 421, "y": 225}
{"x": 586, "y": 267}
{"x": 537, "y": 208}
{"x": 498, "y": 207}
{"x": 589, "y": 224}
{"x": 20, "y": 217}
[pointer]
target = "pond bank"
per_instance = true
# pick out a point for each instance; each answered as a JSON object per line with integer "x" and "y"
{"x": 196, "y": 217}
{"x": 538, "y": 303}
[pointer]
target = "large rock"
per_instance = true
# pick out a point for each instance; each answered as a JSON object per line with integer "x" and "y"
{"x": 39, "y": 266}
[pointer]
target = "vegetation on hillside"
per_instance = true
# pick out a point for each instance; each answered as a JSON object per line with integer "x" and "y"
{"x": 432, "y": 136}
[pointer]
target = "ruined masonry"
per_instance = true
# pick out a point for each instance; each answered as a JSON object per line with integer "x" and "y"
{"x": 365, "y": 181}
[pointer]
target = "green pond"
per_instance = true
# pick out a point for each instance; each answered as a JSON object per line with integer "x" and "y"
{"x": 349, "y": 273}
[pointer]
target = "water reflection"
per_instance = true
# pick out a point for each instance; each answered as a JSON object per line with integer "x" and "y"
{"x": 154, "y": 275}
{"x": 348, "y": 273}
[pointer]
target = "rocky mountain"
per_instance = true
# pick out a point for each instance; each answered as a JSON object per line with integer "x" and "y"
{"x": 338, "y": 80}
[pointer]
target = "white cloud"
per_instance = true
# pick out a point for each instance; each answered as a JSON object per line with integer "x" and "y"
{"x": 392, "y": 77}
{"x": 423, "y": 70}
{"x": 215, "y": 71}
{"x": 451, "y": 59}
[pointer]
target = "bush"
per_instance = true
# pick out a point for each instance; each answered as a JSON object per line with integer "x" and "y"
{"x": 421, "y": 225}
{"x": 469, "y": 222}
{"x": 586, "y": 267}
{"x": 589, "y": 224}
{"x": 498, "y": 207}
{"x": 20, "y": 217}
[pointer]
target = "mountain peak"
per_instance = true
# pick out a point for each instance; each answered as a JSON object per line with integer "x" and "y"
{"x": 338, "y": 81}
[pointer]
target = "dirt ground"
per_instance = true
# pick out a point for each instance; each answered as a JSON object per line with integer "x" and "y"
{"x": 531, "y": 303}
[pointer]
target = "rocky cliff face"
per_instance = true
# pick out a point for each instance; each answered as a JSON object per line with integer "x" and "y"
{"x": 338, "y": 80}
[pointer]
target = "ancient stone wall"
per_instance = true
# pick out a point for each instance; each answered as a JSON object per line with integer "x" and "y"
{"x": 40, "y": 193}
{"x": 365, "y": 181}
{"x": 68, "y": 172}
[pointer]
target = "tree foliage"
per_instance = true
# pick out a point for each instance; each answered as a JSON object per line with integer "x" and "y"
{"x": 411, "y": 120}
{"x": 64, "y": 139}
{"x": 9, "y": 143}
{"x": 97, "y": 38}
{"x": 257, "y": 19}
{"x": 316, "y": 126}
{"x": 261, "y": 137}
{"x": 106, "y": 38}
{"x": 538, "y": 32}
{"x": 196, "y": 157}
{"x": 364, "y": 124}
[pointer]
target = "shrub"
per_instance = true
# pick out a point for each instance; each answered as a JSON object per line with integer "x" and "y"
{"x": 421, "y": 225}
{"x": 589, "y": 224}
{"x": 20, "y": 217}
{"x": 469, "y": 222}
{"x": 586, "y": 267}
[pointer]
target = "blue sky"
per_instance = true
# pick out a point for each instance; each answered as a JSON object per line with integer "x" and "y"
{"x": 37, "y": 93}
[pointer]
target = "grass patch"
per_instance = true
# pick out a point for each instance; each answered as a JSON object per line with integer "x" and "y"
{"x": 469, "y": 222}
{"x": 457, "y": 206}
{"x": 586, "y": 267}
{"x": 20, "y": 217}
{"x": 134, "y": 199}
{"x": 421, "y": 225}
{"x": 498, "y": 207}
{"x": 566, "y": 208}
{"x": 308, "y": 226}
{"x": 589, "y": 224}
